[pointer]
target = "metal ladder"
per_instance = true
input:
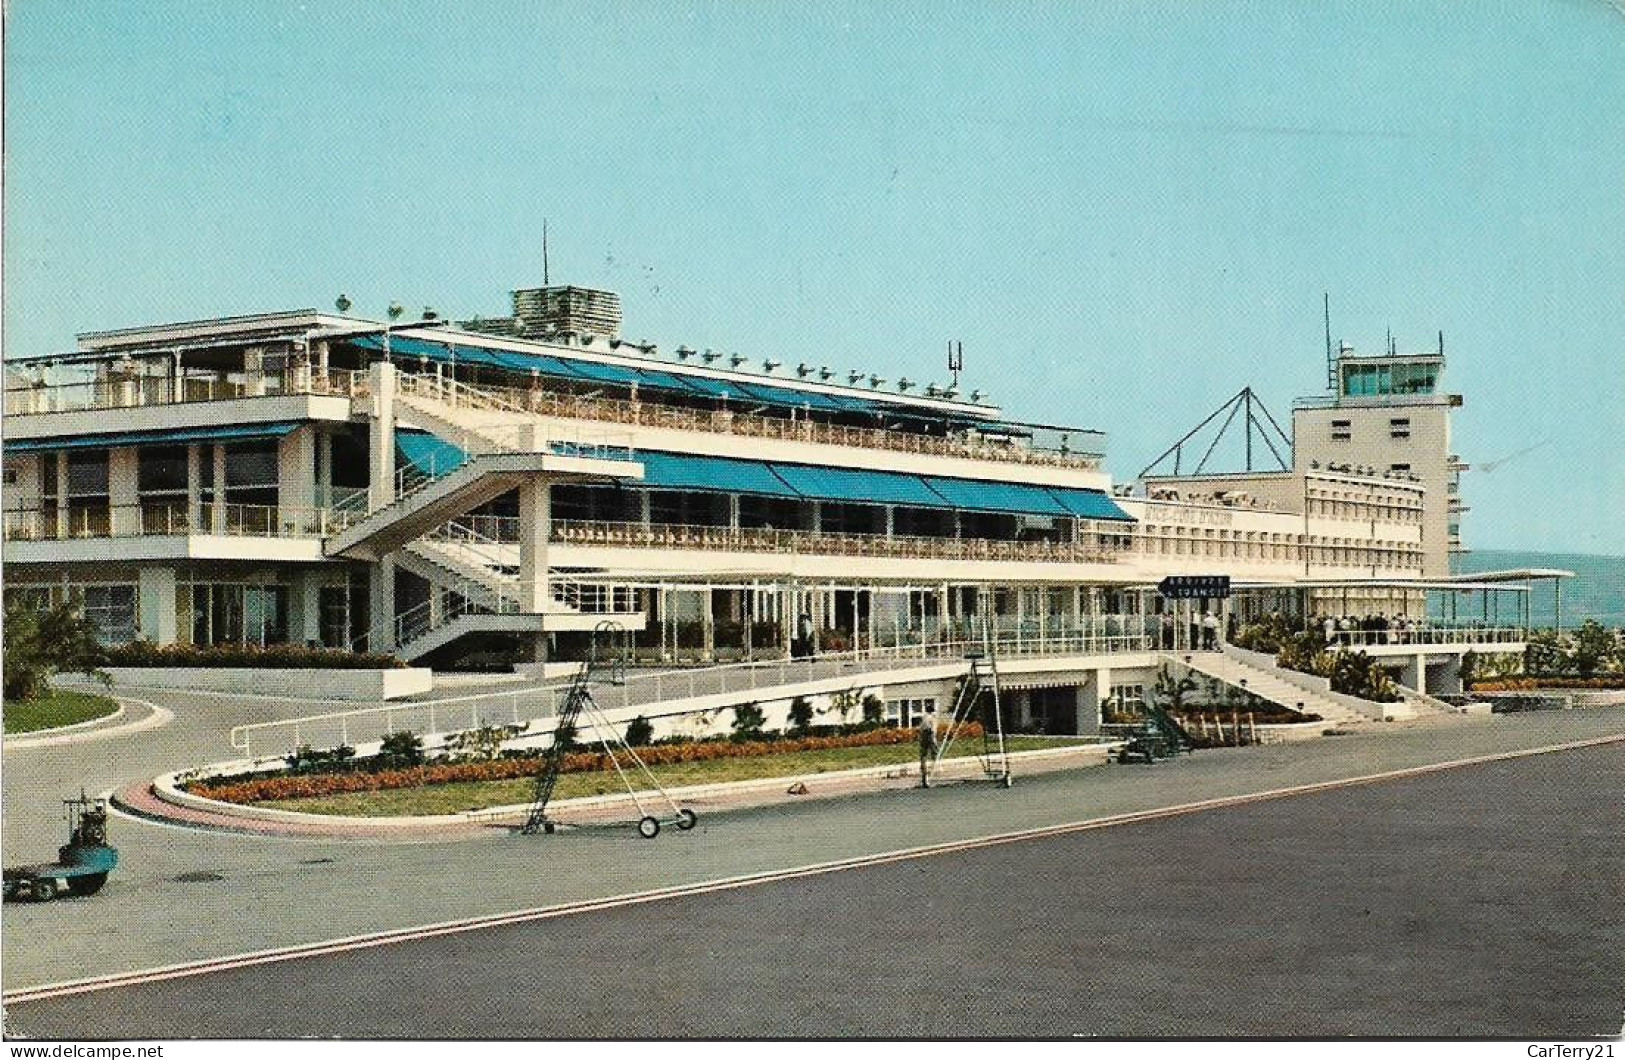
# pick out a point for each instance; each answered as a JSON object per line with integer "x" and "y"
{"x": 995, "y": 755}
{"x": 609, "y": 664}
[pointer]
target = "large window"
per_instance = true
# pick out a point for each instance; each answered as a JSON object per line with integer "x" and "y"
{"x": 251, "y": 473}
{"x": 87, "y": 493}
{"x": 230, "y": 613}
{"x": 112, "y": 610}
{"x": 161, "y": 479}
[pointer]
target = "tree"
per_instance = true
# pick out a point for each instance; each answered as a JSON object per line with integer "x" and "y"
{"x": 639, "y": 732}
{"x": 874, "y": 710}
{"x": 801, "y": 715}
{"x": 1544, "y": 654}
{"x": 41, "y": 643}
{"x": 748, "y": 722}
{"x": 1593, "y": 647}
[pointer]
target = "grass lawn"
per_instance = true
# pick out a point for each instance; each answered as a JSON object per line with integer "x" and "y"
{"x": 476, "y": 795}
{"x": 55, "y": 709}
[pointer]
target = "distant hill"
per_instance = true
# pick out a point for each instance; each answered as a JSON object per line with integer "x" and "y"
{"x": 1596, "y": 591}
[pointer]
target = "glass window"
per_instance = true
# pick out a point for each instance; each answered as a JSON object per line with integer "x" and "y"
{"x": 87, "y": 474}
{"x": 251, "y": 464}
{"x": 162, "y": 469}
{"x": 112, "y": 610}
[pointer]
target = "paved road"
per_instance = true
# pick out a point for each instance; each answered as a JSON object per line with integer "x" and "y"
{"x": 1485, "y": 901}
{"x": 182, "y": 895}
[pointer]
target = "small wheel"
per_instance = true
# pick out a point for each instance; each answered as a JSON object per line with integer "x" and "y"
{"x": 648, "y": 828}
{"x": 43, "y": 889}
{"x": 686, "y": 819}
{"x": 84, "y": 886}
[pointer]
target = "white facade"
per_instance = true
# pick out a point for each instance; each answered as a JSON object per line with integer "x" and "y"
{"x": 451, "y": 495}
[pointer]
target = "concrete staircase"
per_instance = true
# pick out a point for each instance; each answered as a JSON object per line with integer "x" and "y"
{"x": 1423, "y": 705}
{"x": 1267, "y": 684}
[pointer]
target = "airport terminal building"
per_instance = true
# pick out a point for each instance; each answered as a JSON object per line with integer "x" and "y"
{"x": 491, "y": 490}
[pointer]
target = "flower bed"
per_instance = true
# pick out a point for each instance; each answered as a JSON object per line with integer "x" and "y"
{"x": 144, "y": 653}
{"x": 271, "y": 788}
{"x": 1535, "y": 684}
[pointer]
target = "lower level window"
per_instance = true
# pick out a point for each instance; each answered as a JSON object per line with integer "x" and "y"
{"x": 112, "y": 610}
{"x": 906, "y": 713}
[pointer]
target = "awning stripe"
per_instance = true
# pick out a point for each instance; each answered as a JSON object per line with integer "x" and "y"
{"x": 161, "y": 436}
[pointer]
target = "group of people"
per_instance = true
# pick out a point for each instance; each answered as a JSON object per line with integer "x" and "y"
{"x": 1372, "y": 629}
{"x": 1203, "y": 631}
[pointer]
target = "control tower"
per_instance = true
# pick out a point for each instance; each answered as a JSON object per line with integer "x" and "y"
{"x": 1388, "y": 414}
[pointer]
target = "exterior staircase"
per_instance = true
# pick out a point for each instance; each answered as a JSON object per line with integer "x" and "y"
{"x": 1266, "y": 684}
{"x": 1423, "y": 705}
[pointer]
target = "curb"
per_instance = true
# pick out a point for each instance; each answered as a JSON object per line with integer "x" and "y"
{"x": 95, "y": 729}
{"x": 166, "y": 789}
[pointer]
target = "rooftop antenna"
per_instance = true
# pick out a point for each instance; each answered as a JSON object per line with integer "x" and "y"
{"x": 1392, "y": 349}
{"x": 546, "y": 280}
{"x": 1331, "y": 361}
{"x": 956, "y": 360}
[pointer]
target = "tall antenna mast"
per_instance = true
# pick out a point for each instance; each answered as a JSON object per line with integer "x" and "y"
{"x": 956, "y": 359}
{"x": 546, "y": 280}
{"x": 1331, "y": 362}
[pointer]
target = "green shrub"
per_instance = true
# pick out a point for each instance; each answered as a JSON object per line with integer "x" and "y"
{"x": 748, "y": 722}
{"x": 274, "y": 657}
{"x": 400, "y": 750}
{"x": 801, "y": 715}
{"x": 874, "y": 710}
{"x": 639, "y": 732}
{"x": 40, "y": 643}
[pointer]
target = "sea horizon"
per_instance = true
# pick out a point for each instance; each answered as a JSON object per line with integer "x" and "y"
{"x": 1597, "y": 590}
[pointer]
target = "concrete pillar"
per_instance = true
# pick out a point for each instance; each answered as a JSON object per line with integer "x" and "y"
{"x": 217, "y": 521}
{"x": 296, "y": 468}
{"x": 194, "y": 488}
{"x": 644, "y": 508}
{"x": 304, "y": 606}
{"x": 891, "y": 520}
{"x": 381, "y": 604}
{"x": 1094, "y": 689}
{"x": 123, "y": 490}
{"x": 733, "y": 511}
{"x": 381, "y": 435}
{"x": 1421, "y": 667}
{"x": 155, "y": 594}
{"x": 535, "y": 524}
{"x": 815, "y": 512}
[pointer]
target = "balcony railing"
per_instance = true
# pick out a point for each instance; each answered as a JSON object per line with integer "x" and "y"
{"x": 803, "y": 542}
{"x": 172, "y": 520}
{"x": 165, "y": 390}
{"x": 538, "y": 401}
{"x": 1427, "y": 636}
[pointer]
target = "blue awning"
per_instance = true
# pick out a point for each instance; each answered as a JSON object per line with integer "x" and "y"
{"x": 431, "y": 455}
{"x": 174, "y": 436}
{"x": 1011, "y": 498}
{"x": 1090, "y": 504}
{"x": 857, "y": 486}
{"x": 758, "y": 391}
{"x": 711, "y": 474}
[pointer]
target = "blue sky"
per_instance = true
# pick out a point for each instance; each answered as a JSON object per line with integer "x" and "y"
{"x": 1125, "y": 211}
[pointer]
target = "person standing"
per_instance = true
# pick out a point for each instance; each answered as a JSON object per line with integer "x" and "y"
{"x": 928, "y": 746}
{"x": 1210, "y": 631}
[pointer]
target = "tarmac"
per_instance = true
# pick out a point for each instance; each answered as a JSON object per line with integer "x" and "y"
{"x": 184, "y": 894}
{"x": 1480, "y": 901}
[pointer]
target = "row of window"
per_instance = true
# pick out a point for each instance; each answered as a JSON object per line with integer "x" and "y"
{"x": 1398, "y": 427}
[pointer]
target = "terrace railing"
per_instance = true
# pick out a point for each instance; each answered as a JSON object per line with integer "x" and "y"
{"x": 804, "y": 542}
{"x": 537, "y": 401}
{"x": 166, "y": 390}
{"x": 172, "y": 520}
{"x": 662, "y": 692}
{"x": 1427, "y": 636}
